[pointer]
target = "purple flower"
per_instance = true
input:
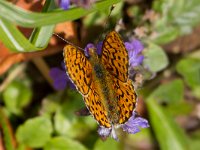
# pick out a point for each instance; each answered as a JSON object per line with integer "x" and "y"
{"x": 104, "y": 132}
{"x": 88, "y": 46}
{"x": 60, "y": 78}
{"x": 64, "y": 4}
{"x": 98, "y": 48}
{"x": 134, "y": 124}
{"x": 134, "y": 51}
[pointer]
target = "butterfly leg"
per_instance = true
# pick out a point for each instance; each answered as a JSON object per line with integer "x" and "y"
{"x": 83, "y": 112}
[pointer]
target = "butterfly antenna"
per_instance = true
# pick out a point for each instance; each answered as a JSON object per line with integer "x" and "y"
{"x": 70, "y": 43}
{"x": 106, "y": 23}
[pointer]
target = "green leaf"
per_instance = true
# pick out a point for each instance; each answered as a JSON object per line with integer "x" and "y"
{"x": 155, "y": 58}
{"x": 195, "y": 138}
{"x": 63, "y": 143}
{"x": 41, "y": 35}
{"x": 168, "y": 133}
{"x": 189, "y": 68}
{"x": 144, "y": 136}
{"x": 188, "y": 14}
{"x": 171, "y": 93}
{"x": 195, "y": 144}
{"x": 16, "y": 41}
{"x": 25, "y": 18}
{"x": 176, "y": 18}
{"x": 21, "y": 147}
{"x": 35, "y": 132}
{"x": 13, "y": 38}
{"x": 165, "y": 34}
{"x": 16, "y": 96}
{"x": 50, "y": 104}
{"x": 108, "y": 144}
{"x": 182, "y": 108}
{"x": 67, "y": 122}
{"x": 196, "y": 92}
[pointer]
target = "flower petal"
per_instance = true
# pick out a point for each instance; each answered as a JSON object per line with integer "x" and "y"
{"x": 137, "y": 45}
{"x": 59, "y": 78}
{"x": 64, "y": 4}
{"x": 134, "y": 49}
{"x": 88, "y": 46}
{"x": 128, "y": 46}
{"x": 134, "y": 124}
{"x": 59, "y": 84}
{"x": 135, "y": 61}
{"x": 54, "y": 72}
{"x": 63, "y": 65}
{"x": 104, "y": 132}
{"x": 140, "y": 59}
{"x": 99, "y": 47}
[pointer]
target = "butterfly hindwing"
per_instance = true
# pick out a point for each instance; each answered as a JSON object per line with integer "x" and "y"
{"x": 95, "y": 105}
{"x": 126, "y": 98}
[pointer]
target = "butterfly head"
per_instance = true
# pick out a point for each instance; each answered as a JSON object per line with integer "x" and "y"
{"x": 92, "y": 52}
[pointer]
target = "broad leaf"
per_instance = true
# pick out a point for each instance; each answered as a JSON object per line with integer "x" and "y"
{"x": 35, "y": 132}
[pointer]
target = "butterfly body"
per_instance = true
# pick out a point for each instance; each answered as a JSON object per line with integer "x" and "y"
{"x": 103, "y": 80}
{"x": 103, "y": 85}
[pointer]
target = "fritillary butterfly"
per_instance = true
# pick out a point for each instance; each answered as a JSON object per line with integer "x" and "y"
{"x": 103, "y": 80}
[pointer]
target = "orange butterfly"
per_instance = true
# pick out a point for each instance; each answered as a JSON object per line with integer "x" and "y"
{"x": 103, "y": 82}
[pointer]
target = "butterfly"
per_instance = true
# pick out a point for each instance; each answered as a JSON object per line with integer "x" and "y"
{"x": 103, "y": 81}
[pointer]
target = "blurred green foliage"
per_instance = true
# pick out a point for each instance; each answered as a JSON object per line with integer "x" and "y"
{"x": 57, "y": 127}
{"x": 168, "y": 133}
{"x": 170, "y": 93}
{"x": 153, "y": 55}
{"x": 189, "y": 68}
{"x": 35, "y": 132}
{"x": 178, "y": 17}
{"x": 16, "y": 96}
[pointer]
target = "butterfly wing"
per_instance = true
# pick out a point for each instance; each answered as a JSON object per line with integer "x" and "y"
{"x": 115, "y": 56}
{"x": 96, "y": 107}
{"x": 126, "y": 97}
{"x": 78, "y": 68}
{"x": 115, "y": 60}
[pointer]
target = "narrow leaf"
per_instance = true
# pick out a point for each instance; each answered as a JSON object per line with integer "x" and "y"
{"x": 168, "y": 133}
{"x": 25, "y": 18}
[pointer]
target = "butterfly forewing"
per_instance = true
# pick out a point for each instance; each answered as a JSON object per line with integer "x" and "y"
{"x": 115, "y": 56}
{"x": 78, "y": 68}
{"x": 115, "y": 60}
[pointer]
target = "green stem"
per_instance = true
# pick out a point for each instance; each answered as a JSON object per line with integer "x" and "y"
{"x": 7, "y": 137}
